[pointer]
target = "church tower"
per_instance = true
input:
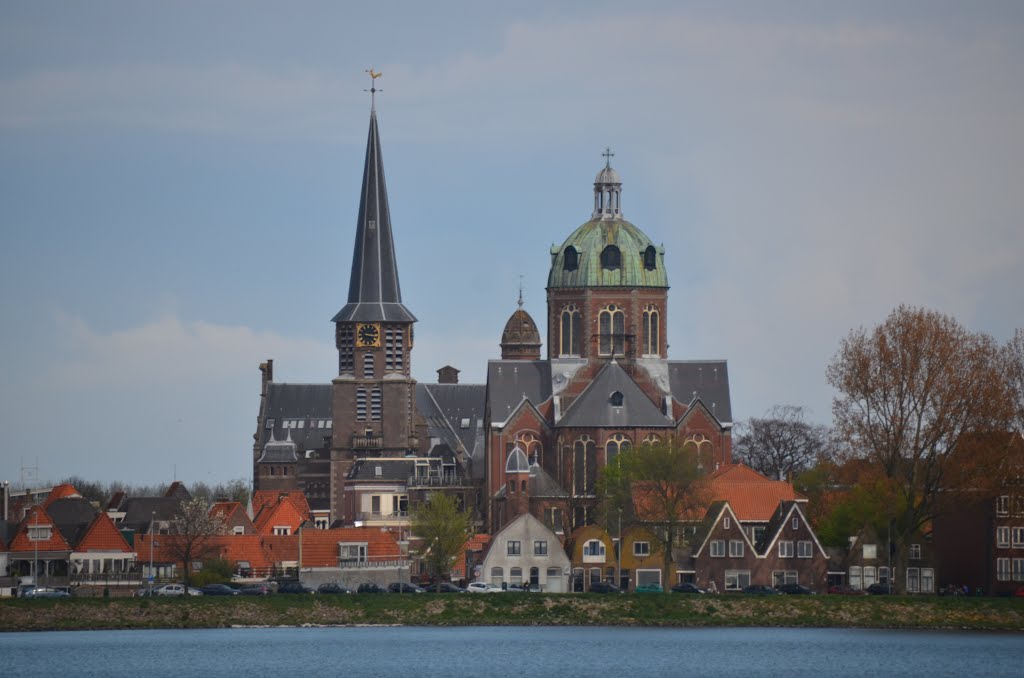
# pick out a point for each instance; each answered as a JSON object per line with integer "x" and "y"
{"x": 373, "y": 396}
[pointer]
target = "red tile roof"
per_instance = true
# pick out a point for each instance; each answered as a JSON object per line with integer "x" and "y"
{"x": 103, "y": 535}
{"x": 752, "y": 496}
{"x": 60, "y": 492}
{"x": 320, "y": 547}
{"x": 282, "y": 514}
{"x": 264, "y": 498}
{"x": 38, "y": 517}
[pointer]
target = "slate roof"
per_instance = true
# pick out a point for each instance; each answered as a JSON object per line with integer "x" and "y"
{"x": 72, "y": 515}
{"x": 445, "y": 406}
{"x": 392, "y": 470}
{"x": 509, "y": 381}
{"x": 374, "y": 294}
{"x": 594, "y": 407}
{"x": 309, "y": 403}
{"x": 708, "y": 379}
{"x": 138, "y": 511}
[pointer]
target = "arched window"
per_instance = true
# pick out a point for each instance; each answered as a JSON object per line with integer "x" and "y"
{"x": 571, "y": 259}
{"x": 530, "y": 445}
{"x": 522, "y": 486}
{"x": 612, "y": 330}
{"x": 701, "y": 448}
{"x": 571, "y": 334}
{"x": 651, "y": 439}
{"x": 584, "y": 466}
{"x": 497, "y": 576}
{"x": 616, "y": 399}
{"x": 616, "y": 443}
{"x": 611, "y": 258}
{"x": 651, "y": 344}
{"x": 650, "y": 258}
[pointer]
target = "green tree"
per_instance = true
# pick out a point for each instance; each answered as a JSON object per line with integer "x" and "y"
{"x": 919, "y": 396}
{"x": 660, "y": 487}
{"x": 443, "y": 530}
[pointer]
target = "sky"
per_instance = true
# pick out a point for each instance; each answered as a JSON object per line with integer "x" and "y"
{"x": 179, "y": 185}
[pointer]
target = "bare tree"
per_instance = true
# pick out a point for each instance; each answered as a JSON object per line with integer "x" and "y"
{"x": 192, "y": 528}
{"x": 919, "y": 396}
{"x": 780, "y": 444}
{"x": 1014, "y": 365}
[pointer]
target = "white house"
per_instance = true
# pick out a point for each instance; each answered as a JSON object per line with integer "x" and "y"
{"x": 527, "y": 552}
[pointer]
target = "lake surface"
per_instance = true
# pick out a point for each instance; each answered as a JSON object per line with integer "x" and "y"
{"x": 511, "y": 651}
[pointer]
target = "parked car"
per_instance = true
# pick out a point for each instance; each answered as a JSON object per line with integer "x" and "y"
{"x": 845, "y": 590}
{"x": 687, "y": 587}
{"x": 446, "y": 587}
{"x": 294, "y": 587}
{"x": 604, "y": 587}
{"x": 330, "y": 589}
{"x": 193, "y": 592}
{"x": 259, "y": 589}
{"x": 761, "y": 590}
{"x": 794, "y": 590}
{"x": 878, "y": 589}
{"x": 404, "y": 587}
{"x": 483, "y": 587}
{"x": 170, "y": 590}
{"x": 218, "y": 590}
{"x": 370, "y": 587}
{"x": 1019, "y": 593}
{"x": 45, "y": 593}
{"x": 650, "y": 588}
{"x": 144, "y": 593}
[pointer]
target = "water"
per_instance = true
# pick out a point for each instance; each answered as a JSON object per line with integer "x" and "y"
{"x": 512, "y": 651}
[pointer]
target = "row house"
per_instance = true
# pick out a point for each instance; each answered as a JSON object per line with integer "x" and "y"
{"x": 981, "y": 544}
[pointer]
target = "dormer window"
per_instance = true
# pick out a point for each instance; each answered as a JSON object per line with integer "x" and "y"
{"x": 616, "y": 399}
{"x": 571, "y": 259}
{"x": 650, "y": 258}
{"x": 611, "y": 258}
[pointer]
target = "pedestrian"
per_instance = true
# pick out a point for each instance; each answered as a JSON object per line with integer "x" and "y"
{"x": 713, "y": 588}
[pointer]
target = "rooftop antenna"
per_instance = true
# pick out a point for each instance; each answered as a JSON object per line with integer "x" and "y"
{"x": 607, "y": 155}
{"x": 29, "y": 474}
{"x": 373, "y": 89}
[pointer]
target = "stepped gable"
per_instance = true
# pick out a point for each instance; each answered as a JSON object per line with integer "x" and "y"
{"x": 510, "y": 381}
{"x": 704, "y": 379}
{"x": 103, "y": 535}
{"x": 596, "y": 405}
{"x": 752, "y": 496}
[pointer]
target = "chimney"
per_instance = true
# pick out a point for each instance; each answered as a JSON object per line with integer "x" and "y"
{"x": 267, "y": 369}
{"x": 448, "y": 375}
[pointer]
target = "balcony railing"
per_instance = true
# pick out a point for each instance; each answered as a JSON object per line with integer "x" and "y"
{"x": 371, "y": 563}
{"x": 367, "y": 442}
{"x": 380, "y": 515}
{"x": 443, "y": 480}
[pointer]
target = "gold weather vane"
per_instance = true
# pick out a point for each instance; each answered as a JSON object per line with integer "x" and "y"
{"x": 373, "y": 89}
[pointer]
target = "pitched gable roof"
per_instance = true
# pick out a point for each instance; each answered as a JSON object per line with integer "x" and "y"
{"x": 37, "y": 517}
{"x": 72, "y": 516}
{"x": 282, "y": 514}
{"x": 509, "y": 382}
{"x": 778, "y": 523}
{"x": 60, "y": 492}
{"x": 103, "y": 535}
{"x": 752, "y": 496}
{"x": 263, "y": 498}
{"x": 704, "y": 379}
{"x": 594, "y": 407}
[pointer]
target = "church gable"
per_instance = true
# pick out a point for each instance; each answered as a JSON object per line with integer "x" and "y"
{"x": 613, "y": 400}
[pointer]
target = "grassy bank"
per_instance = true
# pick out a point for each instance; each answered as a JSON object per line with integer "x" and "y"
{"x": 516, "y": 609}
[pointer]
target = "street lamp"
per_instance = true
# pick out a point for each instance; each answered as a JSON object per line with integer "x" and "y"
{"x": 151, "y": 521}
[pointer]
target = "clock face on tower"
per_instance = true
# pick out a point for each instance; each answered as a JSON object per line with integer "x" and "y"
{"x": 367, "y": 335}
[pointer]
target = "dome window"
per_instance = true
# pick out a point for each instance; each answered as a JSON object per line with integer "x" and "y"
{"x": 616, "y": 399}
{"x": 650, "y": 258}
{"x": 611, "y": 258}
{"x": 571, "y": 261}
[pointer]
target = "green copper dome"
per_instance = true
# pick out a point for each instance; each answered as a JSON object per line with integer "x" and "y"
{"x": 607, "y": 253}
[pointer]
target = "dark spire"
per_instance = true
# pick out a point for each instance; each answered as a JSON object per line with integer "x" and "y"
{"x": 374, "y": 294}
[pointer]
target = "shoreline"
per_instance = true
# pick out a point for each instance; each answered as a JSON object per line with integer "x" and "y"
{"x": 531, "y": 609}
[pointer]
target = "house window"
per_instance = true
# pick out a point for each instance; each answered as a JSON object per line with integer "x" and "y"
{"x": 282, "y": 530}
{"x": 913, "y": 580}
{"x": 540, "y": 548}
{"x": 796, "y": 522}
{"x": 572, "y": 333}
{"x": 804, "y": 549}
{"x": 1018, "y": 537}
{"x": 645, "y": 577}
{"x": 870, "y": 551}
{"x": 594, "y": 547}
{"x": 1003, "y": 505}
{"x": 322, "y": 523}
{"x": 782, "y": 577}
{"x": 650, "y": 340}
{"x": 736, "y": 580}
{"x": 515, "y": 576}
{"x": 927, "y": 580}
{"x": 915, "y": 552}
{"x": 735, "y": 549}
{"x": 611, "y": 329}
{"x": 497, "y": 576}
{"x": 611, "y": 258}
{"x": 352, "y": 552}
{"x": 870, "y": 576}
{"x": 883, "y": 576}
{"x": 1003, "y": 569}
{"x": 39, "y": 532}
{"x": 757, "y": 532}
{"x": 595, "y": 575}
{"x": 514, "y": 548}
{"x": 617, "y": 442}
{"x": 718, "y": 548}
{"x": 570, "y": 259}
{"x": 360, "y": 404}
{"x": 855, "y": 577}
{"x": 1018, "y": 569}
{"x": 785, "y": 549}
{"x": 375, "y": 504}
{"x": 1003, "y": 537}
{"x": 238, "y": 529}
{"x": 726, "y": 523}
{"x": 641, "y": 548}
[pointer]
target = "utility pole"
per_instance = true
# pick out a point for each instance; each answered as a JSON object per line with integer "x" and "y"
{"x": 151, "y": 521}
